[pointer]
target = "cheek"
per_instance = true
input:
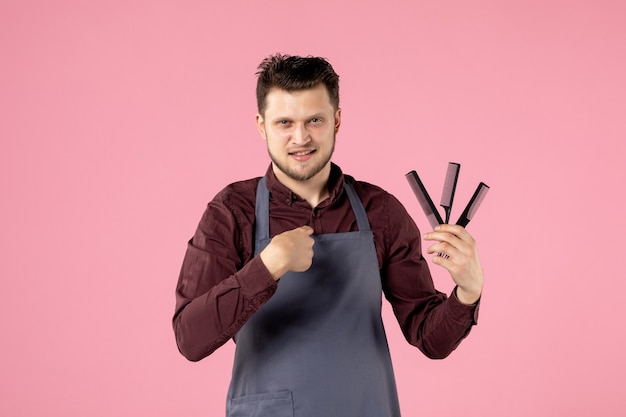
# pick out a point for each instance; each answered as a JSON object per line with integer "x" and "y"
{"x": 278, "y": 136}
{"x": 275, "y": 141}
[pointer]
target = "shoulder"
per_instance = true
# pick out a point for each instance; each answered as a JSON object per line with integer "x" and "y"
{"x": 374, "y": 196}
{"x": 240, "y": 195}
{"x": 227, "y": 221}
{"x": 364, "y": 187}
{"x": 385, "y": 211}
{"x": 233, "y": 205}
{"x": 393, "y": 227}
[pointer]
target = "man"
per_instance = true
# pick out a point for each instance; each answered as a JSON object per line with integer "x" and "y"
{"x": 293, "y": 265}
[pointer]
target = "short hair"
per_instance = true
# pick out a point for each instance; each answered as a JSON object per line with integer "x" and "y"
{"x": 291, "y": 73}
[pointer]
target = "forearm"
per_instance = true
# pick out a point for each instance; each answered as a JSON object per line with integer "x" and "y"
{"x": 205, "y": 322}
{"x": 443, "y": 328}
{"x": 429, "y": 320}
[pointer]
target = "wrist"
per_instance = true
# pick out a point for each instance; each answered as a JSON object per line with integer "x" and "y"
{"x": 467, "y": 297}
{"x": 274, "y": 266}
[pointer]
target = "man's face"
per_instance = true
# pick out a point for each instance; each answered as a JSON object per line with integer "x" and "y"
{"x": 299, "y": 128}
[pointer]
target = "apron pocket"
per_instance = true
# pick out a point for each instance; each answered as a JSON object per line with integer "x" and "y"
{"x": 274, "y": 404}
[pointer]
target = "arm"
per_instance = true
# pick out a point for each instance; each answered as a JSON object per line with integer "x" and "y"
{"x": 215, "y": 296}
{"x": 429, "y": 320}
{"x": 217, "y": 290}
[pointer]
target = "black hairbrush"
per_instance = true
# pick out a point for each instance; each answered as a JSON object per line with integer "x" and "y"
{"x": 424, "y": 199}
{"x": 474, "y": 203}
{"x": 449, "y": 187}
{"x": 447, "y": 197}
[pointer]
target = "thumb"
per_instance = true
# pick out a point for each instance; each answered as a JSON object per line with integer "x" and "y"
{"x": 307, "y": 229}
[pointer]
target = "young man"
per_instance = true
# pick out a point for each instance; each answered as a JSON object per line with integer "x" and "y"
{"x": 293, "y": 265}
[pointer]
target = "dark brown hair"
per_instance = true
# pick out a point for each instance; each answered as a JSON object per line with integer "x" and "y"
{"x": 292, "y": 73}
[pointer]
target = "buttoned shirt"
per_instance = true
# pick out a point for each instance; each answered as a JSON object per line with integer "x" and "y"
{"x": 222, "y": 283}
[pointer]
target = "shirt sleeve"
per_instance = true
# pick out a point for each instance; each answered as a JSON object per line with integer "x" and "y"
{"x": 431, "y": 321}
{"x": 216, "y": 293}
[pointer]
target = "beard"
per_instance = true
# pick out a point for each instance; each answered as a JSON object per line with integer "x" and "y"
{"x": 303, "y": 175}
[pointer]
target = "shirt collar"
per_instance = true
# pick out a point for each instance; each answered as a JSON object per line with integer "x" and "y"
{"x": 283, "y": 193}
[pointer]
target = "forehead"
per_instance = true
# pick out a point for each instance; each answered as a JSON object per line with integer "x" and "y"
{"x": 298, "y": 102}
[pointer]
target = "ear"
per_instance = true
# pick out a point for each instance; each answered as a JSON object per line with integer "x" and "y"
{"x": 337, "y": 120}
{"x": 260, "y": 125}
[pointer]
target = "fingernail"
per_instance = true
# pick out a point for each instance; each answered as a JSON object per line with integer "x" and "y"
{"x": 437, "y": 227}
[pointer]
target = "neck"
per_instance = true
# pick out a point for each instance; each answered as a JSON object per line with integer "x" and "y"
{"x": 313, "y": 190}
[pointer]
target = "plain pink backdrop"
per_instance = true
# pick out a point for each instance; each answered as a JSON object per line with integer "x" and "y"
{"x": 119, "y": 121}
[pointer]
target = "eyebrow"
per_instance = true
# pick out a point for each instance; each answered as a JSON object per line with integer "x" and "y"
{"x": 319, "y": 115}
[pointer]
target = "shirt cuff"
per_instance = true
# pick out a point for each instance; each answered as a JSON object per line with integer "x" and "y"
{"x": 255, "y": 279}
{"x": 464, "y": 312}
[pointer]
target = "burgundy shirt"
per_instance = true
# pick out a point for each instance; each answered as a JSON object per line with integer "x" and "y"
{"x": 222, "y": 283}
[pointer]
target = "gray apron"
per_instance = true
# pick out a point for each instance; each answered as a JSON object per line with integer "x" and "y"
{"x": 317, "y": 348}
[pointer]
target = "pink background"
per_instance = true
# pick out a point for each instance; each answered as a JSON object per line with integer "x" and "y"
{"x": 119, "y": 121}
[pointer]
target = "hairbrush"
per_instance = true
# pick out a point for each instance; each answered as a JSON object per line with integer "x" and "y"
{"x": 424, "y": 199}
{"x": 447, "y": 197}
{"x": 474, "y": 203}
{"x": 449, "y": 187}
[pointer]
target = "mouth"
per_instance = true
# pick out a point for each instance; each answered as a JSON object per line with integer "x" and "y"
{"x": 302, "y": 155}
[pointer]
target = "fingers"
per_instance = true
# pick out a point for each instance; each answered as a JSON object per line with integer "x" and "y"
{"x": 449, "y": 229}
{"x": 456, "y": 251}
{"x": 453, "y": 245}
{"x": 443, "y": 249}
{"x": 451, "y": 237}
{"x": 289, "y": 251}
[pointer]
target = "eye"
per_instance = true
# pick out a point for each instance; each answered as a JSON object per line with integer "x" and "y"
{"x": 316, "y": 120}
{"x": 283, "y": 122}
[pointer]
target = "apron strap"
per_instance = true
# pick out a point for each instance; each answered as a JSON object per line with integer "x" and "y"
{"x": 357, "y": 207}
{"x": 262, "y": 210}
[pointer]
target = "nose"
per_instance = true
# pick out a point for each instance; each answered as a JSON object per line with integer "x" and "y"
{"x": 300, "y": 135}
